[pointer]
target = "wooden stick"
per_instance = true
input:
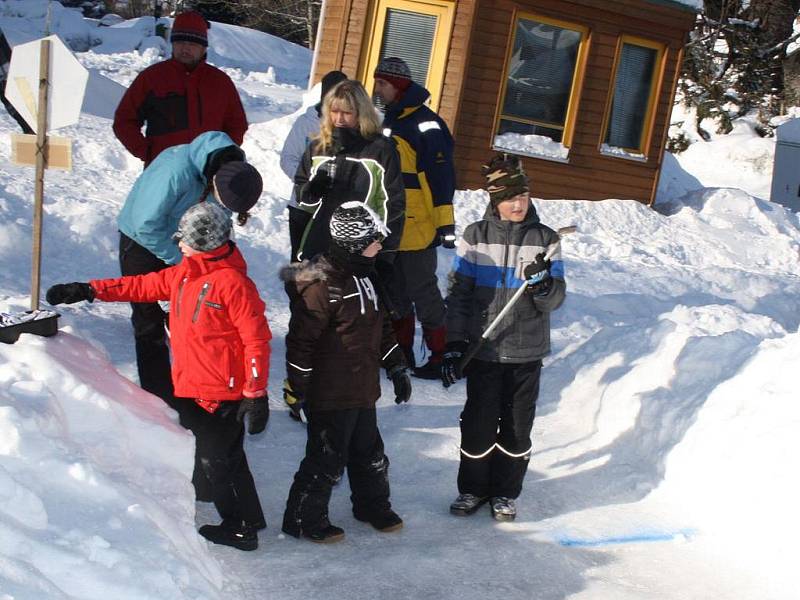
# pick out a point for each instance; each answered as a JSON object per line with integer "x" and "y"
{"x": 41, "y": 165}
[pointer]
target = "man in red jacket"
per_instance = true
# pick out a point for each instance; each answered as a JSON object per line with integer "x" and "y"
{"x": 179, "y": 98}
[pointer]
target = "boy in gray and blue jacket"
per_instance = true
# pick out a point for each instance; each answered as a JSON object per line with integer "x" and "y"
{"x": 495, "y": 256}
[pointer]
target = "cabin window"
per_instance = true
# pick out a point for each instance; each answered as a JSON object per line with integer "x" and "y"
{"x": 418, "y": 31}
{"x": 541, "y": 85}
{"x": 410, "y": 35}
{"x": 637, "y": 75}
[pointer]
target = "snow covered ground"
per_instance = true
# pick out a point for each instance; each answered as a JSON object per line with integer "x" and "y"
{"x": 666, "y": 446}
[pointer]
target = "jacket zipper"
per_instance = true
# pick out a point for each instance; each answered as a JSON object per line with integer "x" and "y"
{"x": 505, "y": 257}
{"x": 180, "y": 293}
{"x": 200, "y": 298}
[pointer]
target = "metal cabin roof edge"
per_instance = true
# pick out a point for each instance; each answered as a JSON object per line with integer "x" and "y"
{"x": 676, "y": 4}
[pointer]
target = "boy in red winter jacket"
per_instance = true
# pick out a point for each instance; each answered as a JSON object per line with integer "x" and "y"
{"x": 220, "y": 345}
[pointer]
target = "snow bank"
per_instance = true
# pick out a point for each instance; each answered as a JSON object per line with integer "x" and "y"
{"x": 26, "y": 20}
{"x": 730, "y": 473}
{"x": 95, "y": 475}
{"x": 740, "y": 159}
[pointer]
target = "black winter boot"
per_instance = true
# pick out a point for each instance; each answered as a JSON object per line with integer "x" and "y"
{"x": 431, "y": 370}
{"x": 385, "y": 521}
{"x": 467, "y": 504}
{"x": 235, "y": 534}
{"x": 324, "y": 533}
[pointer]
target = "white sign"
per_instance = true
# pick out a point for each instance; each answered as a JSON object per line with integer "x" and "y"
{"x": 67, "y": 83}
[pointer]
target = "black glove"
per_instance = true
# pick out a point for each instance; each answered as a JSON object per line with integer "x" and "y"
{"x": 319, "y": 184}
{"x": 537, "y": 276}
{"x": 401, "y": 382}
{"x": 447, "y": 236}
{"x": 451, "y": 362}
{"x": 257, "y": 412}
{"x": 69, "y": 293}
{"x": 295, "y": 400}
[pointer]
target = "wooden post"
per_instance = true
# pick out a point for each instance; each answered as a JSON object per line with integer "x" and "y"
{"x": 41, "y": 165}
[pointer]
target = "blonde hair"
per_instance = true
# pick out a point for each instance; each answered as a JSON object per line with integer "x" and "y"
{"x": 352, "y": 96}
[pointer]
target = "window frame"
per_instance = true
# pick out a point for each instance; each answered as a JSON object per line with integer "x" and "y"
{"x": 443, "y": 10}
{"x": 652, "y": 104}
{"x": 577, "y": 77}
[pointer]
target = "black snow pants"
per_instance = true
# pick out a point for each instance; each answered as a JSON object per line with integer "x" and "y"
{"x": 496, "y": 426}
{"x": 338, "y": 439}
{"x": 152, "y": 352}
{"x": 219, "y": 450}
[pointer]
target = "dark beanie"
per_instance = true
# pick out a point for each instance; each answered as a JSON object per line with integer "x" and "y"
{"x": 190, "y": 26}
{"x": 395, "y": 71}
{"x": 329, "y": 81}
{"x": 505, "y": 177}
{"x": 239, "y": 186}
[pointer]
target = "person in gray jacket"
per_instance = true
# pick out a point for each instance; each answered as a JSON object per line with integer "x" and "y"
{"x": 305, "y": 128}
{"x": 495, "y": 256}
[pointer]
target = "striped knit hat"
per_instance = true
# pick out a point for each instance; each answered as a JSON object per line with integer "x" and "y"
{"x": 505, "y": 177}
{"x": 395, "y": 71}
{"x": 190, "y": 26}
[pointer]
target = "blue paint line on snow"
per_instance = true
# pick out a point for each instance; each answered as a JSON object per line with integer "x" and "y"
{"x": 626, "y": 539}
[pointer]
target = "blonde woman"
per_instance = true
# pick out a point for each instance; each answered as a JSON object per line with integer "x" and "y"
{"x": 349, "y": 161}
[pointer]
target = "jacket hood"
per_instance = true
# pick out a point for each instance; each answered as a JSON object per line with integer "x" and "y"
{"x": 415, "y": 95}
{"x": 204, "y": 145}
{"x": 226, "y": 256}
{"x": 304, "y": 272}
{"x": 531, "y": 218}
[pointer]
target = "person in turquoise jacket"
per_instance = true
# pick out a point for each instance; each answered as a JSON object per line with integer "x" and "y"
{"x": 210, "y": 167}
{"x": 176, "y": 180}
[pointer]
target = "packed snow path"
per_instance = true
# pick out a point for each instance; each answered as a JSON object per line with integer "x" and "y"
{"x": 665, "y": 446}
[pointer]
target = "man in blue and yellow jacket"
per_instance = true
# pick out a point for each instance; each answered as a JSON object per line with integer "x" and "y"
{"x": 425, "y": 147}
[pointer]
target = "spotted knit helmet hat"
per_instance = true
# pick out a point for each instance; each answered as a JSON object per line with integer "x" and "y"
{"x": 354, "y": 226}
{"x": 505, "y": 177}
{"x": 205, "y": 226}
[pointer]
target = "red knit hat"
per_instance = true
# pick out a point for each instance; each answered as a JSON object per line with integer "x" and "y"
{"x": 395, "y": 71}
{"x": 190, "y": 26}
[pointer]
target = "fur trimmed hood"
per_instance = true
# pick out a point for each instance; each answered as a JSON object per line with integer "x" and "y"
{"x": 304, "y": 272}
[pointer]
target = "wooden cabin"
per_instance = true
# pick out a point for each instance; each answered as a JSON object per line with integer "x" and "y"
{"x": 582, "y": 89}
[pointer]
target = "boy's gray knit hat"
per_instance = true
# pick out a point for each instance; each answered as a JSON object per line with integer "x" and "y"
{"x": 205, "y": 226}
